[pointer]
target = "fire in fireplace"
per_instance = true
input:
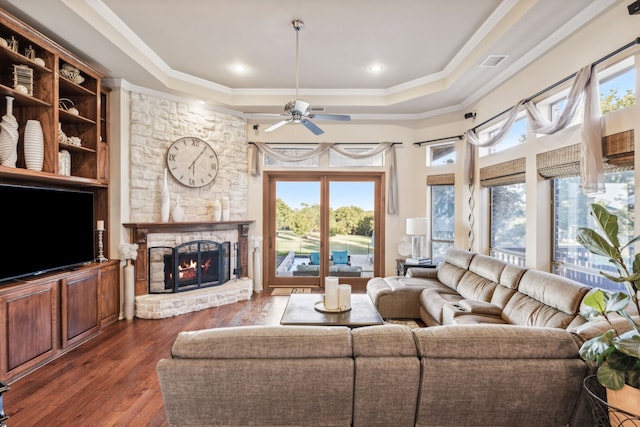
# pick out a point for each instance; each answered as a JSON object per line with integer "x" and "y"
{"x": 192, "y": 265}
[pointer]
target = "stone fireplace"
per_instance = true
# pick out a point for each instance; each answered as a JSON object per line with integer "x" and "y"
{"x": 177, "y": 242}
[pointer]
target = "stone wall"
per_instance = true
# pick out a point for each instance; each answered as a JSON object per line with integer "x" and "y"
{"x": 155, "y": 124}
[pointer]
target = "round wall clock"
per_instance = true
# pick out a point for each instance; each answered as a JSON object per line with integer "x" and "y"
{"x": 192, "y": 162}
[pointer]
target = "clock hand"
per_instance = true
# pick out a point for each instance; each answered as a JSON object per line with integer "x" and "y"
{"x": 196, "y": 159}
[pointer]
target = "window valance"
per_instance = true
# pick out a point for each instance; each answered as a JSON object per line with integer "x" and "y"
{"x": 505, "y": 173}
{"x": 617, "y": 149}
{"x": 441, "y": 179}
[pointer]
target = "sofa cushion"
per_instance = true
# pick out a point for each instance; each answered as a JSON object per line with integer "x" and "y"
{"x": 487, "y": 266}
{"x": 385, "y": 360}
{"x": 545, "y": 299}
{"x": 381, "y": 341}
{"x": 511, "y": 275}
{"x": 553, "y": 290}
{"x": 475, "y": 287}
{"x": 459, "y": 258}
{"x": 434, "y": 300}
{"x": 263, "y": 342}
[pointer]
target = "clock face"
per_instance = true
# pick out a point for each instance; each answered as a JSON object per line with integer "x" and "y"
{"x": 192, "y": 162}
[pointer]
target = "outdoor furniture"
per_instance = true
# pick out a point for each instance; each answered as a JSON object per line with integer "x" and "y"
{"x": 340, "y": 257}
{"x": 314, "y": 258}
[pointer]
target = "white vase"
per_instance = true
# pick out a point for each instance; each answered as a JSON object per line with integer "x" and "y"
{"x": 225, "y": 209}
{"x": 178, "y": 212}
{"x": 165, "y": 201}
{"x": 217, "y": 210}
{"x": 33, "y": 145}
{"x": 129, "y": 291}
{"x": 9, "y": 137}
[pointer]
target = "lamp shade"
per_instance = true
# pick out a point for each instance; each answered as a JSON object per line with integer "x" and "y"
{"x": 416, "y": 226}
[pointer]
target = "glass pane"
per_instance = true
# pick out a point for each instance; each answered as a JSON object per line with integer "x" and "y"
{"x": 351, "y": 222}
{"x": 442, "y": 154}
{"x": 571, "y": 211}
{"x": 508, "y": 221}
{"x": 297, "y": 228}
{"x": 442, "y": 210}
{"x": 617, "y": 90}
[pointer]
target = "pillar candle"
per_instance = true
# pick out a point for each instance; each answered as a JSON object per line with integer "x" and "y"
{"x": 331, "y": 293}
{"x": 344, "y": 296}
{"x": 100, "y": 226}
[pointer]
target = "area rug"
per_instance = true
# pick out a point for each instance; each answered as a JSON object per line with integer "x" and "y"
{"x": 406, "y": 322}
{"x": 289, "y": 291}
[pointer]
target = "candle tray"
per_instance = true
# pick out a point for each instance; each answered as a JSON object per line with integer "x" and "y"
{"x": 319, "y": 306}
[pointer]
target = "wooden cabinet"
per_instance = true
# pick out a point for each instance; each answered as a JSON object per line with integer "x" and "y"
{"x": 48, "y": 316}
{"x": 79, "y": 306}
{"x": 44, "y": 317}
{"x": 109, "y": 293}
{"x": 29, "y": 316}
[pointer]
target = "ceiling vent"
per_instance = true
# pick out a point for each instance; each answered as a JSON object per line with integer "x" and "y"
{"x": 493, "y": 60}
{"x": 317, "y": 109}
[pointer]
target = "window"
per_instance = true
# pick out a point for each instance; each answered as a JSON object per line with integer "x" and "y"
{"x": 442, "y": 154}
{"x": 517, "y": 135}
{"x": 442, "y": 210}
{"x": 617, "y": 86}
{"x": 508, "y": 223}
{"x": 571, "y": 211}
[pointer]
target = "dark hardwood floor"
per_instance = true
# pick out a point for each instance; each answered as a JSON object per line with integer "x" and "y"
{"x": 111, "y": 380}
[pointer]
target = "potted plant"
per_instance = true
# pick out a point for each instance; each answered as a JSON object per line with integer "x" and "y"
{"x": 617, "y": 354}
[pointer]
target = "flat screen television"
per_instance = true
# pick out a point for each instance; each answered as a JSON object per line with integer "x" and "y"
{"x": 44, "y": 230}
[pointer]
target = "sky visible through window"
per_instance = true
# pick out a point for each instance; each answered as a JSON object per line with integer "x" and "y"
{"x": 342, "y": 194}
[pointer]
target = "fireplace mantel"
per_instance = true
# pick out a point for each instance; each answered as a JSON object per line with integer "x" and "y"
{"x": 141, "y": 230}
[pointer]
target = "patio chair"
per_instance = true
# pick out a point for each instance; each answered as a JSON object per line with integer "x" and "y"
{"x": 314, "y": 258}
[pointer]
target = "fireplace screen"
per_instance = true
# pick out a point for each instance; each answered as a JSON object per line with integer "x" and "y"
{"x": 192, "y": 265}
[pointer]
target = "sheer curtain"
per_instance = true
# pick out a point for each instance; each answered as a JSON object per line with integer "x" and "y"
{"x": 392, "y": 205}
{"x": 584, "y": 89}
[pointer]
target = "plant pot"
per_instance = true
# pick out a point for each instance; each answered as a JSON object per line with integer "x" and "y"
{"x": 624, "y": 406}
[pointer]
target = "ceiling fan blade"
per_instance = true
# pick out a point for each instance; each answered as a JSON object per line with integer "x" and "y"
{"x": 277, "y": 125}
{"x": 340, "y": 117}
{"x": 311, "y": 126}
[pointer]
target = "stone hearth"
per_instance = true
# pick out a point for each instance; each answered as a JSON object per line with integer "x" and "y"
{"x": 159, "y": 306}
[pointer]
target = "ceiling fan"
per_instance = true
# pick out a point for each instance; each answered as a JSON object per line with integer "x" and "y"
{"x": 299, "y": 111}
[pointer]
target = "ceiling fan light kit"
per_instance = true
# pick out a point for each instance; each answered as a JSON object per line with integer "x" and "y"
{"x": 299, "y": 111}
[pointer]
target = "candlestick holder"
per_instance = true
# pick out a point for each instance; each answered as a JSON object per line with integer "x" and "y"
{"x": 101, "y": 257}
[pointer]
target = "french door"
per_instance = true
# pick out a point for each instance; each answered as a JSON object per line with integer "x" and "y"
{"x": 323, "y": 224}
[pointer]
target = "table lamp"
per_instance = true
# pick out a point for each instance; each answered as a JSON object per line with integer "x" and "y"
{"x": 417, "y": 229}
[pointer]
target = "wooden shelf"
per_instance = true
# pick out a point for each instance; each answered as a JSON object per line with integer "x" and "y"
{"x": 22, "y": 99}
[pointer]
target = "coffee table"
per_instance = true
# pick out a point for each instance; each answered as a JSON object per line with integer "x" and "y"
{"x": 300, "y": 310}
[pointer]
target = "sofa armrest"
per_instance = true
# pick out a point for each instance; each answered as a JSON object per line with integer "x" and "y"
{"x": 480, "y": 307}
{"x": 424, "y": 273}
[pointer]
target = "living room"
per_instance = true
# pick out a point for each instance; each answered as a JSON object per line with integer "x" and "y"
{"x": 145, "y": 122}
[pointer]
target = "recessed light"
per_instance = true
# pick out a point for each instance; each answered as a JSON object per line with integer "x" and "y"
{"x": 375, "y": 68}
{"x": 239, "y": 68}
{"x": 201, "y": 101}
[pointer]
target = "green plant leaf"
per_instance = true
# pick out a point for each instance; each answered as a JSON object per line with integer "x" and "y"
{"x": 597, "y": 348}
{"x": 610, "y": 378}
{"x": 629, "y": 344}
{"x": 596, "y": 301}
{"x": 595, "y": 243}
{"x": 608, "y": 222}
{"x": 616, "y": 301}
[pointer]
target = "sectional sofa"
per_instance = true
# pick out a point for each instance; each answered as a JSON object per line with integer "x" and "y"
{"x": 501, "y": 349}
